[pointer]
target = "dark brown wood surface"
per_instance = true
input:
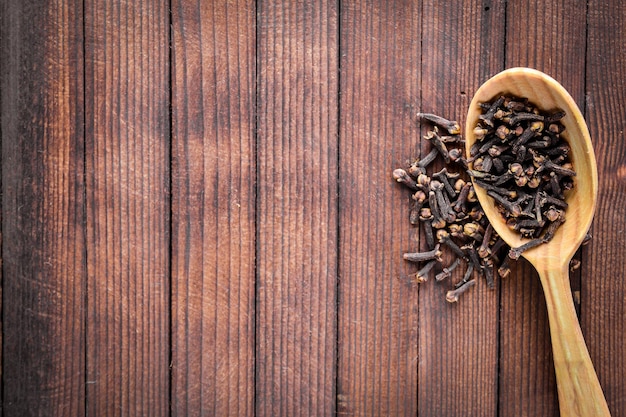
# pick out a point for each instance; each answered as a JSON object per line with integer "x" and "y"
{"x": 127, "y": 140}
{"x": 213, "y": 208}
{"x": 198, "y": 214}
{"x": 296, "y": 218}
{"x": 378, "y": 310}
{"x": 603, "y": 291}
{"x": 43, "y": 209}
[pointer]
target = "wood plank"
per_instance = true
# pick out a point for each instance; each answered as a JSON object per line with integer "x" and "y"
{"x": 458, "y": 343}
{"x": 213, "y": 219}
{"x": 297, "y": 208}
{"x": 378, "y": 310}
{"x": 43, "y": 212}
{"x": 556, "y": 29}
{"x": 603, "y": 288}
{"x": 127, "y": 161}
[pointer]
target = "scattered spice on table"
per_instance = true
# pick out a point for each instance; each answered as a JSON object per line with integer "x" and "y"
{"x": 444, "y": 205}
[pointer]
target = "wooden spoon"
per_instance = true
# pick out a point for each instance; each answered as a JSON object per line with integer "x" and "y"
{"x": 579, "y": 390}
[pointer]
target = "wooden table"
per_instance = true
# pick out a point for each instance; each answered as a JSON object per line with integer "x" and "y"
{"x": 198, "y": 214}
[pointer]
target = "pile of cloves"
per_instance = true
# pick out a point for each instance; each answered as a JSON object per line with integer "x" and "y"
{"x": 444, "y": 204}
{"x": 521, "y": 159}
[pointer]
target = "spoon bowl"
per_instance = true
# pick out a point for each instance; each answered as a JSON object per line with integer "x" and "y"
{"x": 579, "y": 390}
{"x": 548, "y": 95}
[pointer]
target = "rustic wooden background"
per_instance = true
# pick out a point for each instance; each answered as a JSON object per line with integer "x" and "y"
{"x": 198, "y": 214}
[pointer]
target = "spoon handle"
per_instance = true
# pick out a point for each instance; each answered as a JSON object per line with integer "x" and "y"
{"x": 579, "y": 390}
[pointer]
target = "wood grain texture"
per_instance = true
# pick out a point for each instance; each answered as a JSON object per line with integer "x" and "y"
{"x": 297, "y": 208}
{"x": 213, "y": 223}
{"x": 43, "y": 214}
{"x": 127, "y": 153}
{"x": 603, "y": 288}
{"x": 458, "y": 343}
{"x": 378, "y": 310}
{"x": 288, "y": 292}
{"x": 557, "y": 29}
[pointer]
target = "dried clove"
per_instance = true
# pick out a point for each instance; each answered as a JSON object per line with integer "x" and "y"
{"x": 445, "y": 178}
{"x": 453, "y": 295}
{"x": 505, "y": 269}
{"x": 438, "y": 144}
{"x": 422, "y": 274}
{"x": 424, "y": 256}
{"x": 515, "y": 253}
{"x": 446, "y": 272}
{"x": 403, "y": 177}
{"x": 444, "y": 237}
{"x": 428, "y": 159}
{"x": 452, "y": 127}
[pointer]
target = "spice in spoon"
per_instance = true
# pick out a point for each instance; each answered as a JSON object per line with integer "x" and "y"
{"x": 522, "y": 161}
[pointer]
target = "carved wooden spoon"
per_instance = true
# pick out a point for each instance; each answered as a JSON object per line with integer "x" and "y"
{"x": 579, "y": 390}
